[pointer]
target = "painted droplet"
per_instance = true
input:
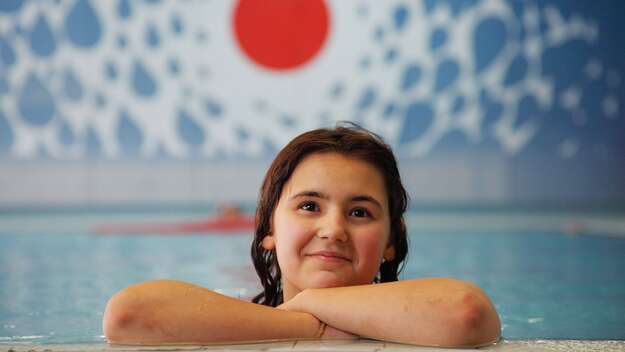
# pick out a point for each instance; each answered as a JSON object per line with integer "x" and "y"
{"x": 417, "y": 119}
{"x": 337, "y": 90}
{"x": 458, "y": 104}
{"x": 110, "y": 70}
{"x": 390, "y": 55}
{"x": 7, "y": 6}
{"x": 176, "y": 24}
{"x": 41, "y": 39}
{"x": 411, "y": 76}
{"x": 447, "y": 73}
{"x": 82, "y": 25}
{"x": 123, "y": 9}
{"x": 152, "y": 39}
{"x": 366, "y": 98}
{"x": 93, "y": 148}
{"x": 66, "y": 135}
{"x": 242, "y": 134}
{"x": 6, "y": 135}
{"x": 189, "y": 130}
{"x": 142, "y": 82}
{"x": 389, "y": 110}
{"x": 400, "y": 17}
{"x": 71, "y": 86}
{"x": 378, "y": 35}
{"x": 212, "y": 107}
{"x": 122, "y": 41}
{"x": 100, "y": 100}
{"x": 4, "y": 85}
{"x": 516, "y": 71}
{"x": 173, "y": 66}
{"x": 489, "y": 39}
{"x": 7, "y": 54}
{"x": 129, "y": 135}
{"x": 528, "y": 110}
{"x": 438, "y": 38}
{"x": 35, "y": 104}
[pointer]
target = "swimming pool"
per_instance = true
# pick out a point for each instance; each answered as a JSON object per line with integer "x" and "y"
{"x": 55, "y": 276}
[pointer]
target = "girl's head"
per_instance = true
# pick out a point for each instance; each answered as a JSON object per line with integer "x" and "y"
{"x": 333, "y": 192}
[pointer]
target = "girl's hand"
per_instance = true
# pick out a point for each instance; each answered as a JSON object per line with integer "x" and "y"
{"x": 329, "y": 333}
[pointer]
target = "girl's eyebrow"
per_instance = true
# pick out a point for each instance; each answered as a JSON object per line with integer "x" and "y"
{"x": 358, "y": 198}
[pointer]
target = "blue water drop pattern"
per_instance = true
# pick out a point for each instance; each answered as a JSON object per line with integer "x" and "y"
{"x": 528, "y": 110}
{"x": 337, "y": 90}
{"x": 7, "y": 54}
{"x": 458, "y": 105}
{"x": 173, "y": 66}
{"x": 93, "y": 145}
{"x": 4, "y": 86}
{"x": 213, "y": 108}
{"x": 143, "y": 83}
{"x": 110, "y": 71}
{"x": 100, "y": 100}
{"x": 41, "y": 38}
{"x": 410, "y": 77}
{"x": 516, "y": 71}
{"x": 8, "y": 6}
{"x": 391, "y": 55}
{"x": 176, "y": 24}
{"x": 6, "y": 135}
{"x": 66, "y": 135}
{"x": 189, "y": 130}
{"x": 122, "y": 41}
{"x": 489, "y": 39}
{"x": 152, "y": 38}
{"x": 129, "y": 136}
{"x": 124, "y": 11}
{"x": 35, "y": 102}
{"x": 367, "y": 98}
{"x": 82, "y": 25}
{"x": 417, "y": 118}
{"x": 242, "y": 134}
{"x": 389, "y": 109}
{"x": 72, "y": 88}
{"x": 447, "y": 73}
{"x": 400, "y": 17}
{"x": 438, "y": 38}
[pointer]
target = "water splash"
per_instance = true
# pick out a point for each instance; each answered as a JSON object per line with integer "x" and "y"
{"x": 42, "y": 42}
{"x": 71, "y": 86}
{"x": 142, "y": 82}
{"x": 35, "y": 102}
{"x": 82, "y": 25}
{"x": 189, "y": 130}
{"x": 129, "y": 135}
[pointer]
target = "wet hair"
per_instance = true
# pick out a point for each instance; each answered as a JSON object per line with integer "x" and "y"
{"x": 351, "y": 141}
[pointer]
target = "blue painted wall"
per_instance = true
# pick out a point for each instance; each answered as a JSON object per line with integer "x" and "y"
{"x": 537, "y": 86}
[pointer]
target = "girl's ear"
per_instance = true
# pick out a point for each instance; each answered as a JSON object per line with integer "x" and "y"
{"x": 389, "y": 253}
{"x": 268, "y": 243}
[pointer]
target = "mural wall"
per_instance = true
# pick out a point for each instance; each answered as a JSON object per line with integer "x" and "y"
{"x": 533, "y": 88}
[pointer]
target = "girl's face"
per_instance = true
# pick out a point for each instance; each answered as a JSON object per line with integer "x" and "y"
{"x": 331, "y": 226}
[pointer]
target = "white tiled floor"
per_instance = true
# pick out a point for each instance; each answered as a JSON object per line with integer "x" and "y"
{"x": 351, "y": 346}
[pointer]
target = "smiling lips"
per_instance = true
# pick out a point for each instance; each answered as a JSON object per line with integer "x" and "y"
{"x": 329, "y": 256}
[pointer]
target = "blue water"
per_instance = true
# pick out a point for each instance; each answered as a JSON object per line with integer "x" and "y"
{"x": 54, "y": 286}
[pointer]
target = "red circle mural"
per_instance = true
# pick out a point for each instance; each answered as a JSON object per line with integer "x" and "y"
{"x": 281, "y": 34}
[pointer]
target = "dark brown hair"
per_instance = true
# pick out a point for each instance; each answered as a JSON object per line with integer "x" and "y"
{"x": 346, "y": 139}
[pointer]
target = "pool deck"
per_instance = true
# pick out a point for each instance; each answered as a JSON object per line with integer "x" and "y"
{"x": 348, "y": 346}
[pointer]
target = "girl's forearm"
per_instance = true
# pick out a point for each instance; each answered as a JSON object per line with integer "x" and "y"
{"x": 435, "y": 312}
{"x": 167, "y": 312}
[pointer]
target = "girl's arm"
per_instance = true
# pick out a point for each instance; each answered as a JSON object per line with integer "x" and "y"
{"x": 433, "y": 311}
{"x": 165, "y": 311}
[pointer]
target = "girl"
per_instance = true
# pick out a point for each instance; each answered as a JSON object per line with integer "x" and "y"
{"x": 329, "y": 243}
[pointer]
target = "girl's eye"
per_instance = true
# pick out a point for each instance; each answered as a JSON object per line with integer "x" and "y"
{"x": 309, "y": 206}
{"x": 360, "y": 213}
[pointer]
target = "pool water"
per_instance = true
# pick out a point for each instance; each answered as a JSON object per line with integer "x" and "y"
{"x": 54, "y": 283}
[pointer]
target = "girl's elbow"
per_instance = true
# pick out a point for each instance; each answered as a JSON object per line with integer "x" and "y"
{"x": 478, "y": 322}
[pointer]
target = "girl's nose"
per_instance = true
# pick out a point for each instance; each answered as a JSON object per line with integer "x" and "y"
{"x": 333, "y": 227}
